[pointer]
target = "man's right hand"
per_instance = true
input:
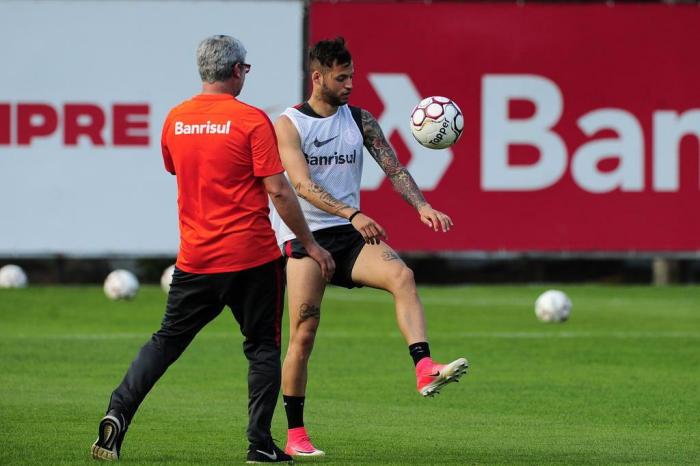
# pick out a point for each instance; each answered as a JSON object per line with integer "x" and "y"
{"x": 370, "y": 230}
{"x": 323, "y": 258}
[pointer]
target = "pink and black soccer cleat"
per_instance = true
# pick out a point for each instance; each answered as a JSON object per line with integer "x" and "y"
{"x": 432, "y": 376}
{"x": 299, "y": 443}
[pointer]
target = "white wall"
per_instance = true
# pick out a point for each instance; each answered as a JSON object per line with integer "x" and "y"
{"x": 90, "y": 200}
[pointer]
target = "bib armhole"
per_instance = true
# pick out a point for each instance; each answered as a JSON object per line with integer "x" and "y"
{"x": 357, "y": 117}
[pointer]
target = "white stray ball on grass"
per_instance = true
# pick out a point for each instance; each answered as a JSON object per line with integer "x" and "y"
{"x": 121, "y": 284}
{"x": 12, "y": 276}
{"x": 553, "y": 306}
{"x": 167, "y": 278}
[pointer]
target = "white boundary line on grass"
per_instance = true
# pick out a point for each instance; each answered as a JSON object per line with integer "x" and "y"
{"x": 387, "y": 299}
{"x": 359, "y": 334}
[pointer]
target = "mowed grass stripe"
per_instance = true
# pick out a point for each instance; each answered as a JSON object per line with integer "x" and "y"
{"x": 617, "y": 384}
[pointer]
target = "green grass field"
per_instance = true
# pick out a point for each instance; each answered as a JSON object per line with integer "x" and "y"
{"x": 618, "y": 383}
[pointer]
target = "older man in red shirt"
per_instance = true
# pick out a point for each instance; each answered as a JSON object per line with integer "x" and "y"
{"x": 224, "y": 155}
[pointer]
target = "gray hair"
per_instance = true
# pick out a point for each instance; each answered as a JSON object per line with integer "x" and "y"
{"x": 216, "y": 56}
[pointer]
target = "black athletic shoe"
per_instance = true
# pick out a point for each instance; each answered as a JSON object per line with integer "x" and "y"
{"x": 268, "y": 454}
{"x": 110, "y": 437}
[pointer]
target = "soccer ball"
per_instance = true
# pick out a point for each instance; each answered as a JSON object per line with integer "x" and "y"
{"x": 553, "y": 306}
{"x": 121, "y": 284}
{"x": 436, "y": 122}
{"x": 12, "y": 276}
{"x": 167, "y": 278}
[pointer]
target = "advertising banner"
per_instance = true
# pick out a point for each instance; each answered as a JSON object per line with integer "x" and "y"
{"x": 84, "y": 89}
{"x": 581, "y": 121}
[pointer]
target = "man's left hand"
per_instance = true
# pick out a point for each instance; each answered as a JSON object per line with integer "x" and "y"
{"x": 434, "y": 218}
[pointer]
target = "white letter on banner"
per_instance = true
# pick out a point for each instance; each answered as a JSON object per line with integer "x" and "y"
{"x": 629, "y": 147}
{"x": 399, "y": 96}
{"x": 669, "y": 129}
{"x": 498, "y": 132}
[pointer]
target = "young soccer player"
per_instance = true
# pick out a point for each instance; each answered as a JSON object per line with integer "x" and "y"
{"x": 320, "y": 143}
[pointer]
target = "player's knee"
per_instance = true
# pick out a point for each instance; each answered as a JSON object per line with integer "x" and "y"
{"x": 403, "y": 280}
{"x": 303, "y": 342}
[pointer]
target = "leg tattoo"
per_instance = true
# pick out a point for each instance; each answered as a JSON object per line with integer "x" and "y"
{"x": 390, "y": 256}
{"x": 309, "y": 311}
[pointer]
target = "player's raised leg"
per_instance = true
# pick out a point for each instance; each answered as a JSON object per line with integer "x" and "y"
{"x": 379, "y": 266}
{"x": 305, "y": 287}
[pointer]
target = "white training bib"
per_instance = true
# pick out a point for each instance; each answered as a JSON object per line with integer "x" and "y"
{"x": 332, "y": 147}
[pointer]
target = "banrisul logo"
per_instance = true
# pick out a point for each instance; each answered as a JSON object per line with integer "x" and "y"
{"x": 202, "y": 128}
{"x": 334, "y": 159}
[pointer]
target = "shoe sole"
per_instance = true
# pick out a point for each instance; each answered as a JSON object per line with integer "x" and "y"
{"x": 109, "y": 430}
{"x": 455, "y": 370}
{"x": 100, "y": 453}
{"x": 268, "y": 462}
{"x": 292, "y": 452}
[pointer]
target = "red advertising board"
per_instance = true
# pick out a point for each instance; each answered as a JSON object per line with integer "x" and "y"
{"x": 581, "y": 121}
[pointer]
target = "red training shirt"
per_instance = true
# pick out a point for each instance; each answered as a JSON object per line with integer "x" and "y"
{"x": 220, "y": 148}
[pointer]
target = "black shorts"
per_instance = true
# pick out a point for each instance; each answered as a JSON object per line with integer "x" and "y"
{"x": 343, "y": 242}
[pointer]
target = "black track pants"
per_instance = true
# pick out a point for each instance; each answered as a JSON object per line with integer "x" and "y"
{"x": 255, "y": 297}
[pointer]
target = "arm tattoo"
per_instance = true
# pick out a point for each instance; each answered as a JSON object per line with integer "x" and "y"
{"x": 321, "y": 195}
{"x": 309, "y": 311}
{"x": 390, "y": 256}
{"x": 379, "y": 147}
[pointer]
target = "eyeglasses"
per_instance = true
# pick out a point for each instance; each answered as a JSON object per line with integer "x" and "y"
{"x": 246, "y": 67}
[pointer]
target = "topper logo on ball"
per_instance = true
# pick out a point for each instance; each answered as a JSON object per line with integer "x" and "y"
{"x": 441, "y": 134}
